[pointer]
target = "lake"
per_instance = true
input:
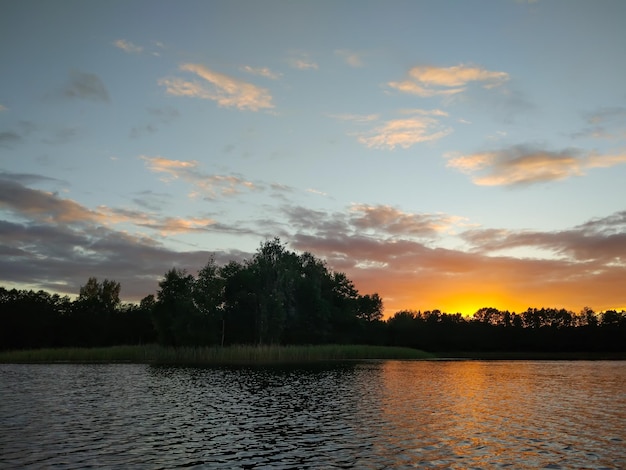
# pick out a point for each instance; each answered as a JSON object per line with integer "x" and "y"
{"x": 378, "y": 414}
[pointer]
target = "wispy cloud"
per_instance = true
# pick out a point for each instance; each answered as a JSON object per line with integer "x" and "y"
{"x": 357, "y": 118}
{"x": 3, "y": 108}
{"x": 302, "y": 61}
{"x": 426, "y": 81}
{"x": 391, "y": 221}
{"x": 158, "y": 116}
{"x": 47, "y": 207}
{"x": 173, "y": 225}
{"x": 86, "y": 86}
{"x": 598, "y": 240}
{"x": 525, "y": 165}
{"x": 209, "y": 186}
{"x": 316, "y": 191}
{"x": 9, "y": 138}
{"x": 607, "y": 114}
{"x": 128, "y": 46}
{"x": 262, "y": 72}
{"x": 226, "y": 91}
{"x": 353, "y": 59}
{"x": 404, "y": 133}
{"x": 605, "y": 123}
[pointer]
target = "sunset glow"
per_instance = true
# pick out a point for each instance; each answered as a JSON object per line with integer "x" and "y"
{"x": 446, "y": 155}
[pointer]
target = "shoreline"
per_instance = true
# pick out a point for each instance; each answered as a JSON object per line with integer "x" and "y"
{"x": 235, "y": 355}
{"x": 273, "y": 354}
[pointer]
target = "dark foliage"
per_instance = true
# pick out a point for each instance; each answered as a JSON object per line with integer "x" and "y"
{"x": 281, "y": 297}
{"x": 490, "y": 329}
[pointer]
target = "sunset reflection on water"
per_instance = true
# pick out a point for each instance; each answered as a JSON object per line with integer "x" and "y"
{"x": 371, "y": 415}
{"x": 486, "y": 414}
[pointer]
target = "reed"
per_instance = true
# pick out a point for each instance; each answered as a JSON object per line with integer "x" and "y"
{"x": 240, "y": 354}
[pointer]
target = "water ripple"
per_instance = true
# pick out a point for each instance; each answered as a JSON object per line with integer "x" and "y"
{"x": 377, "y": 415}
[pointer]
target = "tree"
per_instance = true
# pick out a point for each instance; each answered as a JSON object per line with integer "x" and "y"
{"x": 240, "y": 306}
{"x": 208, "y": 296}
{"x": 176, "y": 319}
{"x": 92, "y": 312}
{"x": 369, "y": 307}
{"x": 274, "y": 270}
{"x": 102, "y": 297}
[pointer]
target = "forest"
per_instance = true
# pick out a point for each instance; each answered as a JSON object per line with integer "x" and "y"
{"x": 282, "y": 297}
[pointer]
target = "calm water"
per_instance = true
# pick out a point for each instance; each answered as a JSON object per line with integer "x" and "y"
{"x": 389, "y": 414}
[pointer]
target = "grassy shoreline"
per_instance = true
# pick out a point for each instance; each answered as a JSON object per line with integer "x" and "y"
{"x": 154, "y": 354}
{"x": 250, "y": 354}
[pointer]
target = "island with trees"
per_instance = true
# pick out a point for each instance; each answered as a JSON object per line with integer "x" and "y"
{"x": 282, "y": 298}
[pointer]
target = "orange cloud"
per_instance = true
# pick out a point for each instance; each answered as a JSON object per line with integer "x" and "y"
{"x": 404, "y": 133}
{"x": 206, "y": 185}
{"x": 520, "y": 165}
{"x": 429, "y": 81}
{"x": 226, "y": 91}
{"x": 301, "y": 61}
{"x": 382, "y": 250}
{"x": 395, "y": 222}
{"x": 128, "y": 46}
{"x": 261, "y": 71}
{"x": 172, "y": 225}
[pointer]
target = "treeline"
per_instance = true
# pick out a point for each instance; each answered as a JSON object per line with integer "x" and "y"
{"x": 490, "y": 329}
{"x": 281, "y": 297}
{"x": 276, "y": 297}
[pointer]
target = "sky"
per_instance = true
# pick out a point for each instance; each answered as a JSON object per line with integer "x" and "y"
{"x": 445, "y": 154}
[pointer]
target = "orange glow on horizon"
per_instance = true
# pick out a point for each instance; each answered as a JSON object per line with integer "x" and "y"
{"x": 465, "y": 302}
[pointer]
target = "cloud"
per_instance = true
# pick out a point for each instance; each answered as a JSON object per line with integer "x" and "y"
{"x": 357, "y": 118}
{"x": 397, "y": 255}
{"x": 61, "y": 258}
{"x": 301, "y": 61}
{"x": 600, "y": 240}
{"x": 606, "y": 114}
{"x": 382, "y": 222}
{"x": 46, "y": 207}
{"x": 394, "y": 222}
{"x": 128, "y": 46}
{"x": 62, "y": 136}
{"x": 427, "y": 81}
{"x": 353, "y": 59}
{"x": 604, "y": 123}
{"x": 57, "y": 244}
{"x": 525, "y": 165}
{"x": 262, "y": 72}
{"x": 316, "y": 191}
{"x": 40, "y": 205}
{"x": 205, "y": 185}
{"x": 226, "y": 91}
{"x": 164, "y": 115}
{"x": 85, "y": 86}
{"x": 9, "y": 138}
{"x": 172, "y": 225}
{"x": 404, "y": 133}
{"x": 3, "y": 108}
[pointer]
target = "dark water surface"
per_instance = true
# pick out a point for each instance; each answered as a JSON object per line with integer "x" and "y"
{"x": 389, "y": 414}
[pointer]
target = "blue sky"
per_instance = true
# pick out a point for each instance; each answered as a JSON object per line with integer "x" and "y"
{"x": 444, "y": 154}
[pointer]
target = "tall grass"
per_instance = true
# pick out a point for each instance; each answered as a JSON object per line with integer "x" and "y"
{"x": 242, "y": 354}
